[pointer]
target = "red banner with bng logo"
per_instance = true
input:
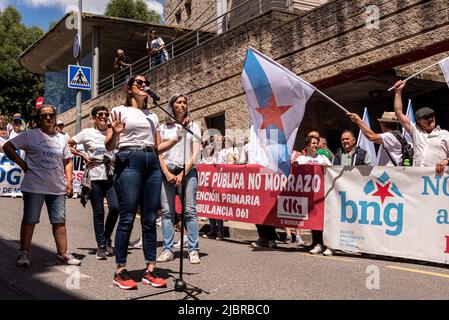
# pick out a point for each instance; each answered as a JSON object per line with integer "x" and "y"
{"x": 254, "y": 194}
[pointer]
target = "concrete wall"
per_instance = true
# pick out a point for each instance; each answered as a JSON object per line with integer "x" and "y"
{"x": 328, "y": 46}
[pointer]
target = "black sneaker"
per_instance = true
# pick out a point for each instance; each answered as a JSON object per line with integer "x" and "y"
{"x": 219, "y": 237}
{"x": 109, "y": 249}
{"x": 101, "y": 253}
{"x": 210, "y": 235}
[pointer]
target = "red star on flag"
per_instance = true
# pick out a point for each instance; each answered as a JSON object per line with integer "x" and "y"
{"x": 272, "y": 114}
{"x": 383, "y": 191}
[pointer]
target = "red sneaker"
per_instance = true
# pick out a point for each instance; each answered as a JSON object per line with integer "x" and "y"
{"x": 124, "y": 281}
{"x": 151, "y": 278}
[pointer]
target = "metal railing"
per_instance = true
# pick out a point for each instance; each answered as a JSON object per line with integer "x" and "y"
{"x": 210, "y": 29}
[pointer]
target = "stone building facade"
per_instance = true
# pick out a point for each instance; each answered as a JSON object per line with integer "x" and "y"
{"x": 196, "y": 13}
{"x": 331, "y": 47}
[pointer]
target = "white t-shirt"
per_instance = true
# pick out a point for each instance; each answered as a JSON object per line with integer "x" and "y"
{"x": 224, "y": 154}
{"x": 429, "y": 148}
{"x": 2, "y": 142}
{"x": 244, "y": 154}
{"x": 175, "y": 156}
{"x": 141, "y": 127}
{"x": 45, "y": 160}
{"x": 394, "y": 148}
{"x": 14, "y": 134}
{"x": 308, "y": 159}
{"x": 93, "y": 142}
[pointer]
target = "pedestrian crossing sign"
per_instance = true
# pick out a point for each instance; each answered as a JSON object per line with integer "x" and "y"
{"x": 79, "y": 77}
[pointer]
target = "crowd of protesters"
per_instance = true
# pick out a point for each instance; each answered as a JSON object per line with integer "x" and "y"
{"x": 138, "y": 165}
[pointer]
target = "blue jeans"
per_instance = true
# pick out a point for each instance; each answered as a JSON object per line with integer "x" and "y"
{"x": 100, "y": 190}
{"x": 32, "y": 207}
{"x": 137, "y": 180}
{"x": 168, "y": 193}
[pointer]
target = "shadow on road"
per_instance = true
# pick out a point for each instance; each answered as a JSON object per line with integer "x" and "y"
{"x": 32, "y": 283}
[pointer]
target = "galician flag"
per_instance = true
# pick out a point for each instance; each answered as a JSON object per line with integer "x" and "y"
{"x": 444, "y": 65}
{"x": 276, "y": 104}
{"x": 364, "y": 143}
{"x": 411, "y": 115}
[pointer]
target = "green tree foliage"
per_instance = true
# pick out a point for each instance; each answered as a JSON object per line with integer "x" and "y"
{"x": 19, "y": 88}
{"x": 131, "y": 9}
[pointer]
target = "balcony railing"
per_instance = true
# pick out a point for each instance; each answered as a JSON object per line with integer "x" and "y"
{"x": 210, "y": 29}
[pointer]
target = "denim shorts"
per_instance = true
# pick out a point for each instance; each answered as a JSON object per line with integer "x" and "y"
{"x": 33, "y": 203}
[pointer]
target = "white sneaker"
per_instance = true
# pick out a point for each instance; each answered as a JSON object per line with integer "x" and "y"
{"x": 328, "y": 252}
{"x": 194, "y": 257}
{"x": 136, "y": 243}
{"x": 318, "y": 249}
{"x": 299, "y": 241}
{"x": 178, "y": 244}
{"x": 68, "y": 259}
{"x": 165, "y": 256}
{"x": 23, "y": 259}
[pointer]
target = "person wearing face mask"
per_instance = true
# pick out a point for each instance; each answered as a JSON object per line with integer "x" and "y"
{"x": 98, "y": 178}
{"x": 48, "y": 178}
{"x": 430, "y": 142}
{"x": 135, "y": 132}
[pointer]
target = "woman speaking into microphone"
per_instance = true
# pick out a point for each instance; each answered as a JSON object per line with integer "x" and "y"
{"x": 134, "y": 132}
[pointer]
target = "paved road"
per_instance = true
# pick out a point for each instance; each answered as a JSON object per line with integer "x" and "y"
{"x": 229, "y": 270}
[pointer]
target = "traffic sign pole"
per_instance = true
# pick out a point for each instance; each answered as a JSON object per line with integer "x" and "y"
{"x": 79, "y": 92}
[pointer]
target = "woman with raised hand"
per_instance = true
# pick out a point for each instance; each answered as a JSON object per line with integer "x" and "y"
{"x": 48, "y": 159}
{"x": 98, "y": 178}
{"x": 172, "y": 163}
{"x": 134, "y": 132}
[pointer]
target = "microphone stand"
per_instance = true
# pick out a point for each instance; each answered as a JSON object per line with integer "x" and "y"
{"x": 180, "y": 284}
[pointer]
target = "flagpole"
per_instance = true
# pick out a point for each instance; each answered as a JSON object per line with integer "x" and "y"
{"x": 421, "y": 71}
{"x": 331, "y": 100}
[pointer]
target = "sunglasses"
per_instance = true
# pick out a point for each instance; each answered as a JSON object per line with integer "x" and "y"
{"x": 47, "y": 115}
{"x": 102, "y": 114}
{"x": 17, "y": 122}
{"x": 140, "y": 82}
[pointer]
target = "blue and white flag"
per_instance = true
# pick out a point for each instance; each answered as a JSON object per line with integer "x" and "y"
{"x": 444, "y": 65}
{"x": 364, "y": 143}
{"x": 276, "y": 104}
{"x": 411, "y": 115}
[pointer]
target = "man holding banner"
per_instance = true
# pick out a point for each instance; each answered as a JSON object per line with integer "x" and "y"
{"x": 431, "y": 143}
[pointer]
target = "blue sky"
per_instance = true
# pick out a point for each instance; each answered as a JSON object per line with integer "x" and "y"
{"x": 42, "y": 12}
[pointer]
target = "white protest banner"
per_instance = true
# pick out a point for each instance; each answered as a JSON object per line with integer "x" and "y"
{"x": 392, "y": 211}
{"x": 11, "y": 176}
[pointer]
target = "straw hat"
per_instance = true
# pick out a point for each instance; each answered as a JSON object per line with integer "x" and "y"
{"x": 388, "y": 117}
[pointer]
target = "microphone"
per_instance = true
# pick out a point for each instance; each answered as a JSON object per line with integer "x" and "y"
{"x": 152, "y": 94}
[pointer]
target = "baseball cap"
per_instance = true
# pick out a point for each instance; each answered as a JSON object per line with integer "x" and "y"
{"x": 59, "y": 122}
